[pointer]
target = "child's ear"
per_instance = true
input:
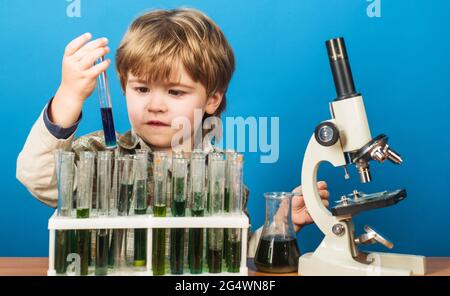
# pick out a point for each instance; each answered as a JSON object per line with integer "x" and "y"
{"x": 213, "y": 102}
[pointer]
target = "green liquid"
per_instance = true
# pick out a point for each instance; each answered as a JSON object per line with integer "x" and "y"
{"x": 215, "y": 260}
{"x": 140, "y": 247}
{"x": 101, "y": 258}
{"x": 177, "y": 234}
{"x": 196, "y": 250}
{"x": 179, "y": 197}
{"x": 159, "y": 210}
{"x": 225, "y": 232}
{"x": 140, "y": 211}
{"x": 197, "y": 212}
{"x": 115, "y": 248}
{"x": 177, "y": 250}
{"x": 179, "y": 208}
{"x": 72, "y": 241}
{"x": 61, "y": 250}
{"x": 83, "y": 237}
{"x": 234, "y": 256}
{"x": 158, "y": 251}
{"x": 141, "y": 197}
{"x": 83, "y": 213}
{"x": 125, "y": 196}
{"x": 227, "y": 200}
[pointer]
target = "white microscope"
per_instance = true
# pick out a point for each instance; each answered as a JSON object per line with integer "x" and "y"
{"x": 345, "y": 139}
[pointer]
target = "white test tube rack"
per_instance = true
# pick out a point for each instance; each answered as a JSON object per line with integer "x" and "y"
{"x": 149, "y": 222}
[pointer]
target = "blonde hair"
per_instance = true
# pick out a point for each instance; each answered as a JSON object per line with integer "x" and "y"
{"x": 158, "y": 40}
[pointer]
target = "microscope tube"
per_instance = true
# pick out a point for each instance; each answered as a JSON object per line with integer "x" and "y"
{"x": 106, "y": 109}
{"x": 84, "y": 200}
{"x": 235, "y": 174}
{"x": 160, "y": 173}
{"x": 216, "y": 194}
{"x": 140, "y": 206}
{"x": 197, "y": 210}
{"x": 179, "y": 192}
{"x": 64, "y": 174}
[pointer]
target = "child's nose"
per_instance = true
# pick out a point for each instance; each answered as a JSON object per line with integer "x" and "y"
{"x": 156, "y": 103}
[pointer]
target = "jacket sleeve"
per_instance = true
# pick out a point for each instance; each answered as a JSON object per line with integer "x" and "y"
{"x": 35, "y": 163}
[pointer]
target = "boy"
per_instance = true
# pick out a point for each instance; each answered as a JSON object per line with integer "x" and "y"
{"x": 170, "y": 63}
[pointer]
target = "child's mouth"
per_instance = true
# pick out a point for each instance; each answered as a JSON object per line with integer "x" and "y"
{"x": 156, "y": 123}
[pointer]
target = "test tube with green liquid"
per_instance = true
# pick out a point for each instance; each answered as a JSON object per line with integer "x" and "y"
{"x": 64, "y": 175}
{"x": 178, "y": 201}
{"x": 84, "y": 200}
{"x": 160, "y": 174}
{"x": 125, "y": 181}
{"x": 104, "y": 191}
{"x": 140, "y": 206}
{"x": 235, "y": 181}
{"x": 216, "y": 163}
{"x": 198, "y": 203}
{"x": 230, "y": 155}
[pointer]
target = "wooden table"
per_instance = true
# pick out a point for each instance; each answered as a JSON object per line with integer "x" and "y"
{"x": 438, "y": 266}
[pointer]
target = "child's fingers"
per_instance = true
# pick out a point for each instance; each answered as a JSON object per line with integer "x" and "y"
{"x": 324, "y": 194}
{"x": 88, "y": 60}
{"x": 76, "y": 43}
{"x": 99, "y": 68}
{"x": 322, "y": 185}
{"x": 89, "y": 47}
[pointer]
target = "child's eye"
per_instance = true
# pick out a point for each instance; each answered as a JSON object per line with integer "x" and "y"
{"x": 142, "y": 89}
{"x": 176, "y": 93}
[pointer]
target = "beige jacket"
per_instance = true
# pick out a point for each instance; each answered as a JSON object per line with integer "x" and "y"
{"x": 36, "y": 165}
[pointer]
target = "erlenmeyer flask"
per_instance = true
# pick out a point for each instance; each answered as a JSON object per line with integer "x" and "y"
{"x": 277, "y": 250}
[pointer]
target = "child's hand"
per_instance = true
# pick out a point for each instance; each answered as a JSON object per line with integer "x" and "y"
{"x": 300, "y": 216}
{"x": 79, "y": 76}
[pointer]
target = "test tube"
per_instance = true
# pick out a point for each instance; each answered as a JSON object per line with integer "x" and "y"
{"x": 160, "y": 174}
{"x": 230, "y": 155}
{"x": 104, "y": 181}
{"x": 179, "y": 193}
{"x": 104, "y": 191}
{"x": 84, "y": 200}
{"x": 101, "y": 256}
{"x": 216, "y": 163}
{"x": 140, "y": 206}
{"x": 126, "y": 166}
{"x": 140, "y": 182}
{"x": 64, "y": 174}
{"x": 198, "y": 199}
{"x": 235, "y": 181}
{"x": 106, "y": 109}
{"x": 125, "y": 174}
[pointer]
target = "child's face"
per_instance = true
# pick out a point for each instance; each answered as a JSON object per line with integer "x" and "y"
{"x": 153, "y": 106}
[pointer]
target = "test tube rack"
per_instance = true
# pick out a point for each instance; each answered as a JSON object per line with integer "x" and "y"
{"x": 150, "y": 222}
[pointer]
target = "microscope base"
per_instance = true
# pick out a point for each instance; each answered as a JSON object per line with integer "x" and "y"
{"x": 380, "y": 264}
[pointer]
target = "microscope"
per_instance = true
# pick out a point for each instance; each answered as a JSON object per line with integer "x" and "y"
{"x": 344, "y": 140}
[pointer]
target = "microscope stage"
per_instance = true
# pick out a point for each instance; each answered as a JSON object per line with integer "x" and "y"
{"x": 357, "y": 202}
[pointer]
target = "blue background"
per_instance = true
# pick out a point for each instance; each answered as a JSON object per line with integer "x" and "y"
{"x": 400, "y": 62}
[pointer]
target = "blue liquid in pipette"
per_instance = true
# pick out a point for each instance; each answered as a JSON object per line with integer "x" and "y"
{"x": 108, "y": 127}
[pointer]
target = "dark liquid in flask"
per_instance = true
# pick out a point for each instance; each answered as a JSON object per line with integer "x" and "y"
{"x": 108, "y": 127}
{"x": 277, "y": 254}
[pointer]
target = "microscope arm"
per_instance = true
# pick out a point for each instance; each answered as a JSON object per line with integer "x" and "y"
{"x": 314, "y": 155}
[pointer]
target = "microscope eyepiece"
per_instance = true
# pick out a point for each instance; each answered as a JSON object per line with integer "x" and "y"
{"x": 340, "y": 68}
